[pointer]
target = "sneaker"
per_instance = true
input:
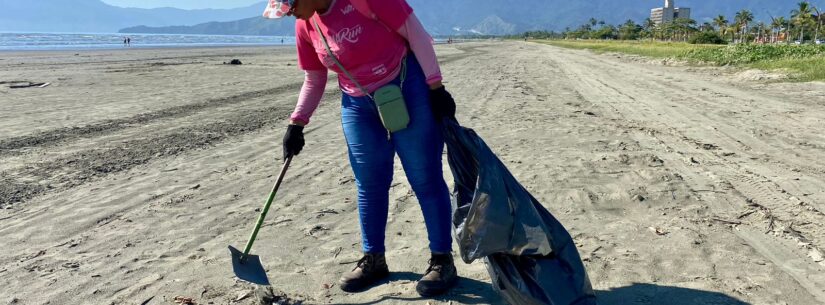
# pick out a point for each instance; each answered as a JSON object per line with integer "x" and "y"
{"x": 440, "y": 276}
{"x": 370, "y": 269}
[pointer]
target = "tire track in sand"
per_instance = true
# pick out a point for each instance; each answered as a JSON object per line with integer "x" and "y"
{"x": 49, "y": 138}
{"x": 28, "y": 181}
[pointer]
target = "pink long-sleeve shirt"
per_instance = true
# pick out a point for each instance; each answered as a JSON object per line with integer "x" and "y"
{"x": 371, "y": 50}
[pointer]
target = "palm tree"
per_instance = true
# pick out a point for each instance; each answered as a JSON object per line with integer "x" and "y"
{"x": 648, "y": 26}
{"x": 689, "y": 27}
{"x": 666, "y": 29}
{"x": 818, "y": 24}
{"x": 761, "y": 30}
{"x": 737, "y": 25}
{"x": 707, "y": 27}
{"x": 744, "y": 17}
{"x": 788, "y": 32}
{"x": 659, "y": 31}
{"x": 722, "y": 23}
{"x": 778, "y": 24}
{"x": 802, "y": 16}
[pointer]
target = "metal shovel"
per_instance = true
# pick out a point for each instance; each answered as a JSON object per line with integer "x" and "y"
{"x": 248, "y": 267}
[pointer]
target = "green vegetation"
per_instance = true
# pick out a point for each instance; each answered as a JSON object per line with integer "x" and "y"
{"x": 807, "y": 61}
{"x": 749, "y": 54}
{"x": 707, "y": 38}
{"x": 809, "y": 69}
{"x": 795, "y": 43}
{"x": 647, "y": 48}
{"x": 804, "y": 24}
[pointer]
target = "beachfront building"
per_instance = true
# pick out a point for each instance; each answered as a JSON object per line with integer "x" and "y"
{"x": 668, "y": 13}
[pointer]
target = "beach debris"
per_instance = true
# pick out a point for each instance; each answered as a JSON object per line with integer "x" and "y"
{"x": 147, "y": 300}
{"x": 184, "y": 300}
{"x": 71, "y": 265}
{"x": 327, "y": 211}
{"x": 345, "y": 180}
{"x": 270, "y": 296}
{"x": 730, "y": 222}
{"x": 33, "y": 256}
{"x": 243, "y": 295}
{"x": 323, "y": 212}
{"x": 658, "y": 231}
{"x": 21, "y": 85}
{"x": 816, "y": 255}
{"x": 234, "y": 62}
{"x": 746, "y": 213}
{"x": 314, "y": 230}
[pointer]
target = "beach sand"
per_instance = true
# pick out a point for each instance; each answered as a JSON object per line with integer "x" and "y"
{"x": 124, "y": 180}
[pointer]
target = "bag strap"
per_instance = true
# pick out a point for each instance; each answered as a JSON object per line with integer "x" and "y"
{"x": 340, "y": 66}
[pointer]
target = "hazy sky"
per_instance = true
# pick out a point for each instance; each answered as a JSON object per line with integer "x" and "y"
{"x": 186, "y": 4}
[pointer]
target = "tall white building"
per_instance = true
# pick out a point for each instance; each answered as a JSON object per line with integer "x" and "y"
{"x": 668, "y": 13}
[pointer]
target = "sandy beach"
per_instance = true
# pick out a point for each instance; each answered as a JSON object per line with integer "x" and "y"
{"x": 125, "y": 179}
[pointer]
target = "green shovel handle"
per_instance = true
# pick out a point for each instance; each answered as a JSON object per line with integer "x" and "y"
{"x": 266, "y": 208}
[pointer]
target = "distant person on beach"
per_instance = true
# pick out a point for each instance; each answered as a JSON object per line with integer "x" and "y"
{"x": 378, "y": 43}
{"x": 125, "y": 42}
{"x": 128, "y": 41}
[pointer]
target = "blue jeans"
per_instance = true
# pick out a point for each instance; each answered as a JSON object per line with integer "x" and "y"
{"x": 419, "y": 146}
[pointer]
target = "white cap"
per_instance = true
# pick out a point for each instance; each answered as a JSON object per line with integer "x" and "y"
{"x": 278, "y": 8}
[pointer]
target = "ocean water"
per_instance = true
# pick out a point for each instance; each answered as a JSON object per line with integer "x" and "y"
{"x": 75, "y": 41}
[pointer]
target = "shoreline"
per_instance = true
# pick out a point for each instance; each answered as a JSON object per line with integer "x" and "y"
{"x": 147, "y": 48}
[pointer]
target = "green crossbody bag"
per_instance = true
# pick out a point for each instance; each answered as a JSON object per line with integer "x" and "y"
{"x": 389, "y": 99}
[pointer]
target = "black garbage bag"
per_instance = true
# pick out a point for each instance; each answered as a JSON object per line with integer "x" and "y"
{"x": 530, "y": 256}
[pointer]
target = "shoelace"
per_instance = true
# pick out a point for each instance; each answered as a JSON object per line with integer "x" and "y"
{"x": 365, "y": 263}
{"x": 435, "y": 266}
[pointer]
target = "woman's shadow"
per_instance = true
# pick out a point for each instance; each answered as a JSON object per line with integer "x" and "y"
{"x": 469, "y": 291}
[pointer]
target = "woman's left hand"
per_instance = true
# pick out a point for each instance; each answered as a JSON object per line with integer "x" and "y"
{"x": 442, "y": 103}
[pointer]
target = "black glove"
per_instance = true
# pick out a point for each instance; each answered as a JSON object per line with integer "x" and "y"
{"x": 293, "y": 141}
{"x": 442, "y": 103}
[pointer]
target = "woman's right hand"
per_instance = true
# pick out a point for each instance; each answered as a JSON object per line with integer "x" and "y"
{"x": 293, "y": 140}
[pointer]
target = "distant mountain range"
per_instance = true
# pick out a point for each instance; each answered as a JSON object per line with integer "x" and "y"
{"x": 442, "y": 17}
{"x": 96, "y": 16}
{"x": 255, "y": 26}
